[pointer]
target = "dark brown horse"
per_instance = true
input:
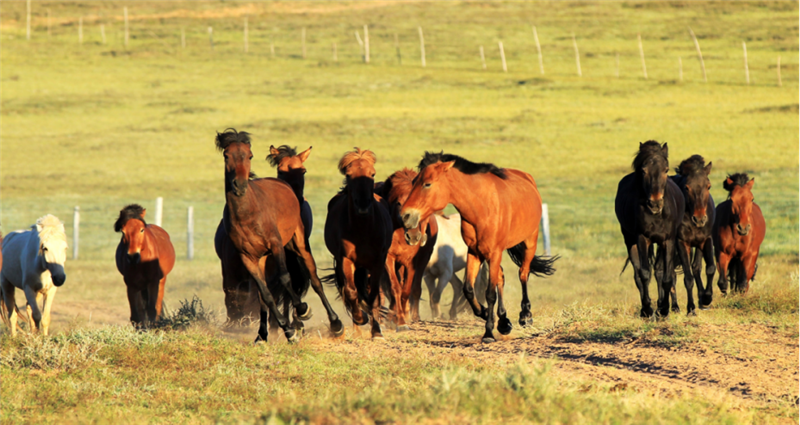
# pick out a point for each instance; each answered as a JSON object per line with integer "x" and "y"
{"x": 500, "y": 210}
{"x": 695, "y": 231}
{"x": 261, "y": 217}
{"x": 358, "y": 232}
{"x": 241, "y": 291}
{"x": 738, "y": 233}
{"x": 144, "y": 256}
{"x": 409, "y": 261}
{"x": 649, "y": 207}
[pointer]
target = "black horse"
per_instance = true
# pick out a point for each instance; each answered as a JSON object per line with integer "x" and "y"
{"x": 649, "y": 207}
{"x": 696, "y": 230}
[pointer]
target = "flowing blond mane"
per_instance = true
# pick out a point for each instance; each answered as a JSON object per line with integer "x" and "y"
{"x": 50, "y": 228}
{"x": 357, "y": 154}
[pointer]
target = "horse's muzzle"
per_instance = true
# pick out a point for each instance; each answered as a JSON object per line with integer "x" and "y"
{"x": 134, "y": 258}
{"x": 655, "y": 207}
{"x": 57, "y": 274}
{"x": 701, "y": 221}
{"x": 743, "y": 230}
{"x": 415, "y": 236}
{"x": 411, "y": 221}
{"x": 239, "y": 188}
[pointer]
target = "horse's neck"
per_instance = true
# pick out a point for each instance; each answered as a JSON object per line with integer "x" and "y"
{"x": 239, "y": 207}
{"x": 462, "y": 196}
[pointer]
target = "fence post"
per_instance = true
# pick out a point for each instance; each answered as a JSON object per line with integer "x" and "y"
{"x": 780, "y": 83}
{"x": 577, "y": 55}
{"x": 245, "y": 35}
{"x": 538, "y": 49}
{"x": 502, "y": 56}
{"x": 125, "y": 12}
{"x": 159, "y": 210}
{"x": 641, "y": 53}
{"x": 546, "y": 229}
{"x": 76, "y": 224}
{"x": 483, "y": 58}
{"x": 211, "y": 38}
{"x": 366, "y": 44}
{"x": 190, "y": 233}
{"x": 699, "y": 54}
{"x": 303, "y": 36}
{"x": 421, "y": 46}
{"x": 80, "y": 30}
{"x": 746, "y": 68}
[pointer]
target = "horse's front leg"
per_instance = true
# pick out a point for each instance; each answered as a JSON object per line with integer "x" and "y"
{"x": 684, "y": 254}
{"x": 374, "y": 301}
{"x": 525, "y": 316}
{"x": 749, "y": 262}
{"x": 708, "y": 256}
{"x": 33, "y": 298}
{"x": 664, "y": 280}
{"x": 153, "y": 309}
{"x": 641, "y": 285}
{"x": 267, "y": 303}
{"x": 49, "y": 297}
{"x": 473, "y": 266}
{"x": 722, "y": 266}
{"x": 136, "y": 304}
{"x": 396, "y": 302}
{"x": 278, "y": 253}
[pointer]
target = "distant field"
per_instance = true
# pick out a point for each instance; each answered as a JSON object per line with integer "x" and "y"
{"x": 103, "y": 125}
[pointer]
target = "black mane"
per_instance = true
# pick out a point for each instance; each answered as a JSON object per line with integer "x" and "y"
{"x": 646, "y": 150}
{"x": 284, "y": 151}
{"x": 461, "y": 164}
{"x": 230, "y": 135}
{"x": 739, "y": 179}
{"x": 130, "y": 212}
{"x": 693, "y": 164}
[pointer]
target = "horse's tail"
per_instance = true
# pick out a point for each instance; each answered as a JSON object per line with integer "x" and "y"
{"x": 540, "y": 266}
{"x": 6, "y": 321}
{"x": 651, "y": 255}
{"x": 301, "y": 277}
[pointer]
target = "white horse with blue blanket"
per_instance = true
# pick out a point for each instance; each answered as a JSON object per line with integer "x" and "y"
{"x": 33, "y": 261}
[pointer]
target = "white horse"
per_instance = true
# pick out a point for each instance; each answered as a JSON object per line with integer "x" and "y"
{"x": 449, "y": 256}
{"x": 33, "y": 260}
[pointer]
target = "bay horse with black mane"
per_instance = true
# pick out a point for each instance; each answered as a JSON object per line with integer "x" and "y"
{"x": 358, "y": 233}
{"x": 409, "y": 260}
{"x": 738, "y": 233}
{"x": 695, "y": 231}
{"x": 650, "y": 207}
{"x": 500, "y": 210}
{"x": 262, "y": 216}
{"x": 145, "y": 256}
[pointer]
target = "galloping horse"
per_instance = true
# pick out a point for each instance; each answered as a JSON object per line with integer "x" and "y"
{"x": 500, "y": 210}
{"x": 34, "y": 262}
{"x": 738, "y": 232}
{"x": 358, "y": 232}
{"x": 145, "y": 256}
{"x": 262, "y": 217}
{"x": 695, "y": 231}
{"x": 241, "y": 292}
{"x": 649, "y": 207}
{"x": 412, "y": 259}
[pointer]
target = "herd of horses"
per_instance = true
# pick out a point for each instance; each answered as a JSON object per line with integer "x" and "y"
{"x": 386, "y": 237}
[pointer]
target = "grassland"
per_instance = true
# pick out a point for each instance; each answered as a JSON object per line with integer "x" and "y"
{"x": 101, "y": 125}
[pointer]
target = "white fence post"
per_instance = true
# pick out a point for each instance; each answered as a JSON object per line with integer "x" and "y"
{"x": 546, "y": 229}
{"x": 502, "y": 56}
{"x": 76, "y": 224}
{"x": 190, "y": 233}
{"x": 159, "y": 210}
{"x": 421, "y": 46}
{"x": 577, "y": 55}
{"x": 538, "y": 50}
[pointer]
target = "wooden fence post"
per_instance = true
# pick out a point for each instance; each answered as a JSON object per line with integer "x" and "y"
{"x": 159, "y": 210}
{"x": 502, "y": 56}
{"x": 211, "y": 38}
{"x": 421, "y": 46}
{"x": 538, "y": 50}
{"x": 641, "y": 53}
{"x": 546, "y": 229}
{"x": 699, "y": 55}
{"x": 245, "y": 36}
{"x": 746, "y": 67}
{"x": 366, "y": 44}
{"x": 190, "y": 233}
{"x": 577, "y": 55}
{"x": 80, "y": 30}
{"x": 483, "y": 58}
{"x": 303, "y": 41}
{"x": 76, "y": 225}
{"x": 780, "y": 82}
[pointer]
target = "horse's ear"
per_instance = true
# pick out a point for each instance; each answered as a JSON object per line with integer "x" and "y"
{"x": 448, "y": 165}
{"x": 273, "y": 151}
{"x": 665, "y": 150}
{"x": 750, "y": 184}
{"x": 304, "y": 155}
{"x": 144, "y": 211}
{"x": 707, "y": 169}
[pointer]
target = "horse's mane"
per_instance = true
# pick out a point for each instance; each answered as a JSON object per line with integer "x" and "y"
{"x": 646, "y": 150}
{"x": 400, "y": 182}
{"x": 49, "y": 228}
{"x": 357, "y": 154}
{"x": 130, "y": 212}
{"x": 693, "y": 164}
{"x": 461, "y": 164}
{"x": 230, "y": 135}
{"x": 284, "y": 151}
{"x": 739, "y": 179}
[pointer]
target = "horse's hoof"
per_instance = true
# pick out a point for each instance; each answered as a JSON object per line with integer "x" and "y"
{"x": 525, "y": 319}
{"x": 646, "y": 313}
{"x": 488, "y": 340}
{"x": 705, "y": 307}
{"x": 676, "y": 309}
{"x": 378, "y": 338}
{"x": 364, "y": 321}
{"x": 260, "y": 340}
{"x": 691, "y": 313}
{"x": 292, "y": 336}
{"x": 705, "y": 301}
{"x": 403, "y": 328}
{"x": 504, "y": 326}
{"x": 337, "y": 328}
{"x": 303, "y": 312}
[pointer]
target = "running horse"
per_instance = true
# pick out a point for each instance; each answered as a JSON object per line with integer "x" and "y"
{"x": 650, "y": 207}
{"x": 33, "y": 262}
{"x": 144, "y": 257}
{"x": 261, "y": 217}
{"x": 695, "y": 231}
{"x": 738, "y": 233}
{"x": 409, "y": 260}
{"x": 358, "y": 233}
{"x": 500, "y": 210}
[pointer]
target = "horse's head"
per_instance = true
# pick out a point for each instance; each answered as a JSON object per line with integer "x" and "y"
{"x": 131, "y": 223}
{"x": 290, "y": 166}
{"x": 358, "y": 167}
{"x": 696, "y": 186}
{"x": 397, "y": 188}
{"x": 429, "y": 193}
{"x": 235, "y": 147}
{"x": 652, "y": 165}
{"x": 740, "y": 188}
{"x": 52, "y": 247}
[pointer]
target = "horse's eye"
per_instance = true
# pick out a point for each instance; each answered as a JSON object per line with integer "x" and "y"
{"x": 373, "y": 175}
{"x": 44, "y": 248}
{"x": 251, "y": 158}
{"x": 141, "y": 231}
{"x": 426, "y": 185}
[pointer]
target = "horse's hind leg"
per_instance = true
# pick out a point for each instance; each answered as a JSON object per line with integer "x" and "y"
{"x": 34, "y": 313}
{"x": 301, "y": 248}
{"x": 267, "y": 302}
{"x": 9, "y": 306}
{"x": 473, "y": 266}
{"x": 303, "y": 311}
{"x": 459, "y": 303}
{"x": 430, "y": 282}
{"x": 491, "y": 298}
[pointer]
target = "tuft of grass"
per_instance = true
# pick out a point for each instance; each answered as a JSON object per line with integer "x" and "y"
{"x": 191, "y": 312}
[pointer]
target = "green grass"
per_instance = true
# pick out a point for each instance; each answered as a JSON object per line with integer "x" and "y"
{"x": 100, "y": 126}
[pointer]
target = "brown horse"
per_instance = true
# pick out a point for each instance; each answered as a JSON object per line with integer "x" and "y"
{"x": 358, "y": 232}
{"x": 262, "y": 217}
{"x": 144, "y": 256}
{"x": 738, "y": 232}
{"x": 241, "y": 292}
{"x": 695, "y": 231}
{"x": 409, "y": 260}
{"x": 500, "y": 210}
